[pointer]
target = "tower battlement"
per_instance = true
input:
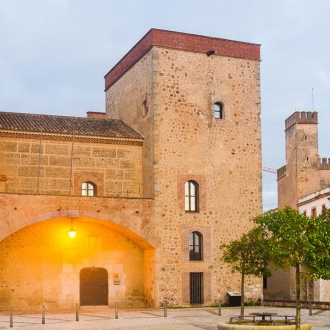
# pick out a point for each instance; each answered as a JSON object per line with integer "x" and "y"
{"x": 303, "y": 117}
{"x": 324, "y": 163}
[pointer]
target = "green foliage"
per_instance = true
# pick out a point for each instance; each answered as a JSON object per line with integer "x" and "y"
{"x": 294, "y": 239}
{"x": 287, "y": 239}
{"x": 247, "y": 255}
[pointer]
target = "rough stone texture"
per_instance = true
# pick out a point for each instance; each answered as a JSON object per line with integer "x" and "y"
{"x": 167, "y": 97}
{"x": 40, "y": 264}
{"x": 304, "y": 173}
{"x": 46, "y": 168}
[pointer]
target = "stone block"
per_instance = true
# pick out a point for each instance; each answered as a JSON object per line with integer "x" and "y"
{"x": 103, "y": 152}
{"x": 57, "y": 149}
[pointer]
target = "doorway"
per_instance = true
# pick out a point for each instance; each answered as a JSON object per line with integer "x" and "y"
{"x": 196, "y": 288}
{"x": 93, "y": 286}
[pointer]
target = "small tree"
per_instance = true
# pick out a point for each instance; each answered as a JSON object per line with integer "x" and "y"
{"x": 248, "y": 256}
{"x": 295, "y": 240}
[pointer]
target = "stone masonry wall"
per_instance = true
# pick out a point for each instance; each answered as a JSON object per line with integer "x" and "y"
{"x": 222, "y": 155}
{"x": 28, "y": 169}
{"x": 40, "y": 264}
{"x": 188, "y": 143}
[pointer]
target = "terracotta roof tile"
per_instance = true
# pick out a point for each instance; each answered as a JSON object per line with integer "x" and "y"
{"x": 24, "y": 122}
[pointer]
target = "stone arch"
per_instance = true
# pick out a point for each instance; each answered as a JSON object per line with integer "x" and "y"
{"x": 129, "y": 261}
{"x": 127, "y": 215}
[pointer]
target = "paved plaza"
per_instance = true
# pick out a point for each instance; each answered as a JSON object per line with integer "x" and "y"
{"x": 141, "y": 319}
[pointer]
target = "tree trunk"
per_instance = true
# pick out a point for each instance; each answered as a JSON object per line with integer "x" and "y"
{"x": 297, "y": 297}
{"x": 242, "y": 294}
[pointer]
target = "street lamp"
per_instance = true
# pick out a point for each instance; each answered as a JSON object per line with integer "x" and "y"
{"x": 72, "y": 232}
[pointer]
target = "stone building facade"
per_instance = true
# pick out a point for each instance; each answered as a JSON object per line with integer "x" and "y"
{"x": 152, "y": 190}
{"x": 303, "y": 184}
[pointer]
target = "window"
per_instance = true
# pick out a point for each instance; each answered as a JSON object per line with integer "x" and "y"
{"x": 323, "y": 209}
{"x": 314, "y": 212}
{"x": 88, "y": 189}
{"x": 195, "y": 246}
{"x": 196, "y": 288}
{"x": 217, "y": 108}
{"x": 191, "y": 196}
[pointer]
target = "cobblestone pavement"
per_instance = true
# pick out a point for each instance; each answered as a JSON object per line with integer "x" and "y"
{"x": 142, "y": 319}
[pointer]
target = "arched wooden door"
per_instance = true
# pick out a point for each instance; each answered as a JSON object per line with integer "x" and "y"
{"x": 93, "y": 286}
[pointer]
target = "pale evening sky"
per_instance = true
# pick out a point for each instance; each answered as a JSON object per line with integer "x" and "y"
{"x": 55, "y": 53}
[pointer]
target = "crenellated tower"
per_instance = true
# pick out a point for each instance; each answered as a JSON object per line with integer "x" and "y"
{"x": 304, "y": 172}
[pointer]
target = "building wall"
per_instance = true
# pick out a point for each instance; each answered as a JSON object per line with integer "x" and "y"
{"x": 299, "y": 181}
{"x": 187, "y": 143}
{"x": 304, "y": 172}
{"x": 166, "y": 93}
{"x": 43, "y": 166}
{"x": 40, "y": 264}
{"x": 313, "y": 205}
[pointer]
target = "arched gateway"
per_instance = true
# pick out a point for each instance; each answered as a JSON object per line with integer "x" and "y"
{"x": 107, "y": 261}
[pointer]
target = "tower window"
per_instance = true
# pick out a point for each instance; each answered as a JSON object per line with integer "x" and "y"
{"x": 88, "y": 189}
{"x": 191, "y": 196}
{"x": 218, "y": 110}
{"x": 195, "y": 246}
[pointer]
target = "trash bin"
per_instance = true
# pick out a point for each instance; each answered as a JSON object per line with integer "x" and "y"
{"x": 234, "y": 298}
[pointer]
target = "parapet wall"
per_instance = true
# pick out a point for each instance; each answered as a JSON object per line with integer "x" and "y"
{"x": 324, "y": 163}
{"x": 181, "y": 41}
{"x": 303, "y": 117}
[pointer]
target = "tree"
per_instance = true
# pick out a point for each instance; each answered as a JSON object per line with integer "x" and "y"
{"x": 248, "y": 256}
{"x": 295, "y": 240}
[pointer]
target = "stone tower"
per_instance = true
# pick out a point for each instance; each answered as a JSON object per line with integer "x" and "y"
{"x": 196, "y": 102}
{"x": 304, "y": 172}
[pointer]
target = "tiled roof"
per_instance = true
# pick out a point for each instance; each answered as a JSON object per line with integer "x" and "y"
{"x": 24, "y": 122}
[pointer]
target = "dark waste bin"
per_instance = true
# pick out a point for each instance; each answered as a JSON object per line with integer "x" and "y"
{"x": 234, "y": 298}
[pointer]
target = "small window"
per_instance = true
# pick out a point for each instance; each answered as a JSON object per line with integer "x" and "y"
{"x": 323, "y": 209}
{"x": 218, "y": 111}
{"x": 191, "y": 196}
{"x": 314, "y": 212}
{"x": 195, "y": 246}
{"x": 88, "y": 189}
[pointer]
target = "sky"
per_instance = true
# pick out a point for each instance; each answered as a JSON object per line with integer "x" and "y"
{"x": 54, "y": 55}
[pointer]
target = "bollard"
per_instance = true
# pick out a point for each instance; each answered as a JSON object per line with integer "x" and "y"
{"x": 11, "y": 321}
{"x": 165, "y": 308}
{"x": 116, "y": 310}
{"x": 261, "y": 299}
{"x": 43, "y": 321}
{"x": 219, "y": 308}
{"x": 77, "y": 312}
{"x": 310, "y": 308}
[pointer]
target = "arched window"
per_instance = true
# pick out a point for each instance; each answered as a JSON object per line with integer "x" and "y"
{"x": 218, "y": 110}
{"x": 88, "y": 189}
{"x": 195, "y": 246}
{"x": 191, "y": 196}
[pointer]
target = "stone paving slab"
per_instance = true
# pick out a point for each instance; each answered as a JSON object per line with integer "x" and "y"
{"x": 142, "y": 319}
